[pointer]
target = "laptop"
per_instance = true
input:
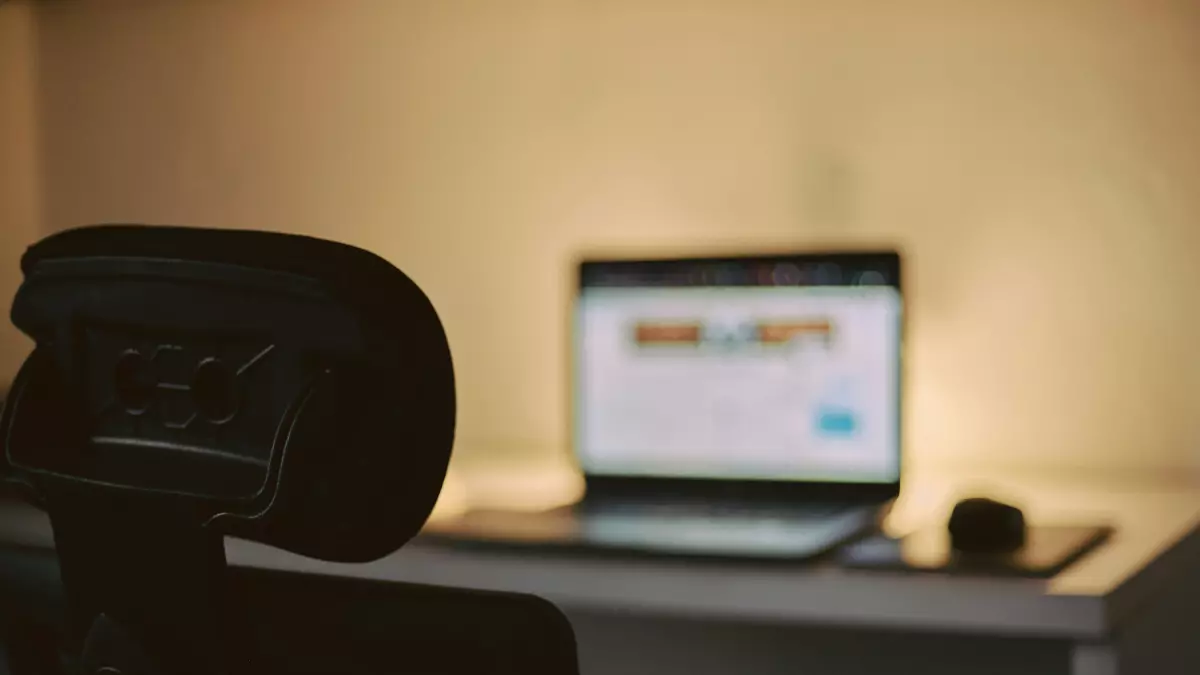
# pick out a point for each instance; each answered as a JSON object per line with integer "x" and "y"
{"x": 743, "y": 406}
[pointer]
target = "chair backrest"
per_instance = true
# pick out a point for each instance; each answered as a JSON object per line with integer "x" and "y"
{"x": 189, "y": 384}
{"x": 306, "y": 624}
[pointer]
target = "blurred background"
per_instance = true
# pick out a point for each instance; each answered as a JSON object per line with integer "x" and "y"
{"x": 1038, "y": 161}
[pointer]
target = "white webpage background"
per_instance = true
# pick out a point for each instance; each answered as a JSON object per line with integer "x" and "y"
{"x": 749, "y": 411}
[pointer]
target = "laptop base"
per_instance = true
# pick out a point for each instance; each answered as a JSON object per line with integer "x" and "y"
{"x": 789, "y": 535}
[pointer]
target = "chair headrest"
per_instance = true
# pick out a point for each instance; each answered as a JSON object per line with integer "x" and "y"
{"x": 292, "y": 390}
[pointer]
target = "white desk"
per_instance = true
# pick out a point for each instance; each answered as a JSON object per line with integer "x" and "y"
{"x": 1125, "y": 608}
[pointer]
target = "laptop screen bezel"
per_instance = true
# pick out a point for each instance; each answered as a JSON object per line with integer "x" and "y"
{"x": 702, "y": 488}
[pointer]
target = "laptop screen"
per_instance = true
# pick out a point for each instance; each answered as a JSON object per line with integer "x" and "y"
{"x": 782, "y": 368}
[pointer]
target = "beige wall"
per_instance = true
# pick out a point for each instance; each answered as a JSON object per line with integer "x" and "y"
{"x": 19, "y": 222}
{"x": 1038, "y": 159}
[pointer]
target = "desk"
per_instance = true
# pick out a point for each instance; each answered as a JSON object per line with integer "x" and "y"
{"x": 1130, "y": 607}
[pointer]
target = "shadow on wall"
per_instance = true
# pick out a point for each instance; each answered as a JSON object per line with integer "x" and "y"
{"x": 20, "y": 224}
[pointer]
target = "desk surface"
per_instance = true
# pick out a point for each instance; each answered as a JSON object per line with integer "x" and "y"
{"x": 1156, "y": 539}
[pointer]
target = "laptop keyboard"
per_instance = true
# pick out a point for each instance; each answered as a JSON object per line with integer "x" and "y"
{"x": 692, "y": 510}
{"x": 757, "y": 529}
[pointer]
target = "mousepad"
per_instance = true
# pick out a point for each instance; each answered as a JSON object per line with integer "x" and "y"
{"x": 1048, "y": 550}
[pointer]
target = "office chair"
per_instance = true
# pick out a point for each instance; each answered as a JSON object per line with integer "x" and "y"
{"x": 189, "y": 384}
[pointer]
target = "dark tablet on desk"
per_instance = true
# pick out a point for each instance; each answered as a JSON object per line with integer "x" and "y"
{"x": 1048, "y": 550}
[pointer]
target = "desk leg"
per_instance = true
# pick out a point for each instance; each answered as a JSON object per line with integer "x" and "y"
{"x": 1094, "y": 659}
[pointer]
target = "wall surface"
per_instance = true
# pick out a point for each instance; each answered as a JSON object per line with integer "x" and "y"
{"x": 19, "y": 220}
{"x": 1039, "y": 161}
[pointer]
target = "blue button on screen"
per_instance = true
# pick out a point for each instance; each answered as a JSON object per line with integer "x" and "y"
{"x": 836, "y": 423}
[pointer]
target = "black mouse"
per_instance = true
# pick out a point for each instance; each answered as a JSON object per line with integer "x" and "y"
{"x": 984, "y": 526}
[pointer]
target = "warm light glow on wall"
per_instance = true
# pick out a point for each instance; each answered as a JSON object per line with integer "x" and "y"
{"x": 1039, "y": 161}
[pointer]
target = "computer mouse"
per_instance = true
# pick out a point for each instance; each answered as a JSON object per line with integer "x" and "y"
{"x": 979, "y": 525}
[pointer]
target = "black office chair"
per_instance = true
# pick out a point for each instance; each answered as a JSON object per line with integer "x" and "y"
{"x": 189, "y": 384}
